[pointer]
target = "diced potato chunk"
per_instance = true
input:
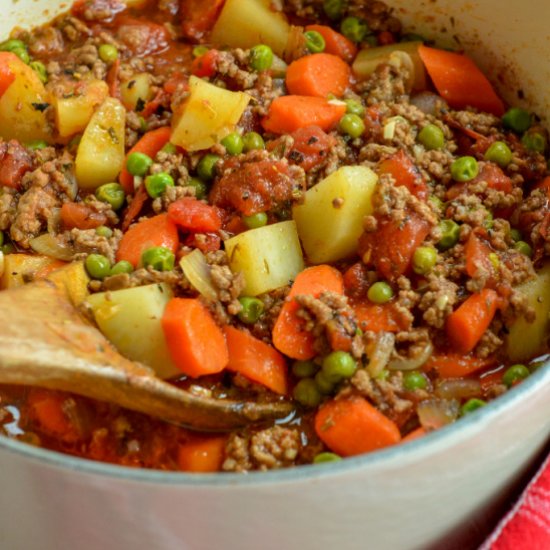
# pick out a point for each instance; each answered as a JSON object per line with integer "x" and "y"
{"x": 100, "y": 155}
{"x": 247, "y": 23}
{"x": 331, "y": 219}
{"x": 74, "y": 278}
{"x": 269, "y": 257}
{"x": 131, "y": 321}
{"x": 369, "y": 58}
{"x": 209, "y": 114}
{"x": 21, "y": 268}
{"x": 72, "y": 113}
{"x": 23, "y": 104}
{"x": 136, "y": 90}
{"x": 526, "y": 340}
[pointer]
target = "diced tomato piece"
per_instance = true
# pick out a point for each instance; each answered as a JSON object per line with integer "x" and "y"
{"x": 142, "y": 37}
{"x": 15, "y": 162}
{"x": 403, "y": 170}
{"x": 311, "y": 146}
{"x": 205, "y": 65}
{"x": 80, "y": 216}
{"x": 195, "y": 216}
{"x": 198, "y": 17}
{"x": 205, "y": 242}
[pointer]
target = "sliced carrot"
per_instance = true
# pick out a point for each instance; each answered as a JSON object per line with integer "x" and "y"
{"x": 196, "y": 343}
{"x": 456, "y": 365}
{"x": 195, "y": 216}
{"x": 138, "y": 202}
{"x": 7, "y": 76}
{"x": 477, "y": 253}
{"x": 256, "y": 360}
{"x": 378, "y": 318}
{"x": 318, "y": 75}
{"x": 202, "y": 455}
{"x": 80, "y": 216}
{"x": 291, "y": 112}
{"x": 390, "y": 248}
{"x": 415, "y": 434}
{"x": 459, "y": 81}
{"x": 352, "y": 426}
{"x": 405, "y": 173}
{"x": 466, "y": 325}
{"x": 46, "y": 408}
{"x": 156, "y": 231}
{"x": 289, "y": 335}
{"x": 198, "y": 17}
{"x": 150, "y": 144}
{"x": 335, "y": 43}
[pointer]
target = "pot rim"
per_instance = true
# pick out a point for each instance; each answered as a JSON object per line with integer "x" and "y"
{"x": 399, "y": 455}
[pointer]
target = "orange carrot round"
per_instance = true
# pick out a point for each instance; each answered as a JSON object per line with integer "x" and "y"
{"x": 335, "y": 43}
{"x": 318, "y": 75}
{"x": 256, "y": 360}
{"x": 196, "y": 343}
{"x": 456, "y": 365}
{"x": 156, "y": 231}
{"x": 202, "y": 455}
{"x": 468, "y": 323}
{"x": 292, "y": 112}
{"x": 352, "y": 426}
{"x": 289, "y": 336}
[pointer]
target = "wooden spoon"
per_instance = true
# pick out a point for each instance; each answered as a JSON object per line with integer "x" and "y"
{"x": 45, "y": 342}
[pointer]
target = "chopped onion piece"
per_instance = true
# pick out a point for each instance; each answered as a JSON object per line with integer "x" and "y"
{"x": 412, "y": 363}
{"x": 436, "y": 413}
{"x": 458, "y": 388}
{"x": 54, "y": 220}
{"x": 379, "y": 353}
{"x": 428, "y": 102}
{"x": 197, "y": 271}
{"x": 391, "y": 125}
{"x": 51, "y": 246}
{"x": 278, "y": 67}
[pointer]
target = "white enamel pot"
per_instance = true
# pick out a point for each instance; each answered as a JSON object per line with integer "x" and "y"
{"x": 442, "y": 491}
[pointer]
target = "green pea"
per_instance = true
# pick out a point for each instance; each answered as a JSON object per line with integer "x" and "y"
{"x": 322, "y": 458}
{"x": 97, "y": 266}
{"x": 333, "y": 9}
{"x": 138, "y": 164}
{"x": 122, "y": 267}
{"x": 170, "y": 149}
{"x": 516, "y": 119}
{"x": 464, "y": 169}
{"x": 354, "y": 107}
{"x": 252, "y": 141}
{"x": 339, "y": 365}
{"x": 415, "y": 380}
{"x": 515, "y": 234}
{"x": 156, "y": 184}
{"x": 111, "y": 193}
{"x": 200, "y": 187}
{"x": 450, "y": 233}
{"x": 524, "y": 248}
{"x": 534, "y": 141}
{"x": 199, "y": 51}
{"x": 40, "y": 69}
{"x": 159, "y": 258}
{"x": 514, "y": 374}
{"x": 304, "y": 369}
{"x": 8, "y": 248}
{"x": 354, "y": 28}
{"x": 11, "y": 45}
{"x": 261, "y": 58}
{"x": 380, "y": 293}
{"x": 104, "y": 231}
{"x": 424, "y": 259}
{"x": 500, "y": 153}
{"x": 233, "y": 143}
{"x": 315, "y": 42}
{"x": 352, "y": 125}
{"x": 432, "y": 137}
{"x": 323, "y": 383}
{"x": 206, "y": 168}
{"x": 108, "y": 53}
{"x": 252, "y": 309}
{"x": 37, "y": 144}
{"x": 472, "y": 405}
{"x": 307, "y": 393}
{"x": 256, "y": 220}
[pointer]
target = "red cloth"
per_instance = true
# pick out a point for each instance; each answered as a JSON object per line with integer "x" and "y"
{"x": 527, "y": 526}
